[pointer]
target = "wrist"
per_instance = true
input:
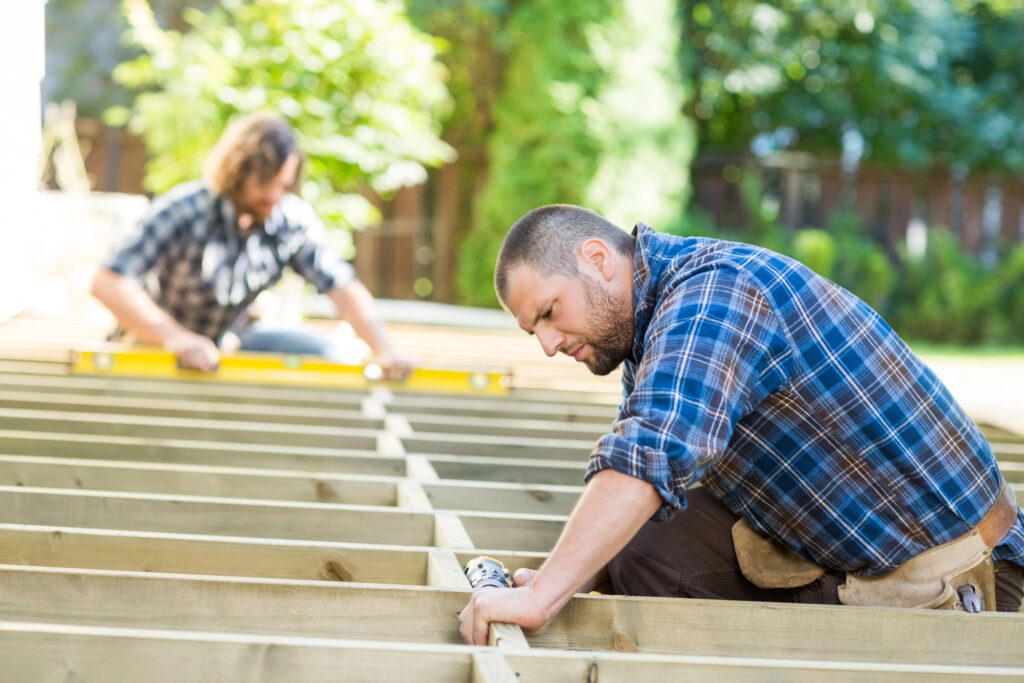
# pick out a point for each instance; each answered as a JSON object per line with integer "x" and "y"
{"x": 551, "y": 595}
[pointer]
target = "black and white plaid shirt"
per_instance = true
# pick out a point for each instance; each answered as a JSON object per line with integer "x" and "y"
{"x": 208, "y": 271}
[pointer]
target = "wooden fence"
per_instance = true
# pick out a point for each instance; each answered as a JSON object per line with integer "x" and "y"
{"x": 984, "y": 210}
{"x": 411, "y": 254}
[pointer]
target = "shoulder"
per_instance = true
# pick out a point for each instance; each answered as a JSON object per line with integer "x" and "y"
{"x": 298, "y": 214}
{"x": 183, "y": 201}
{"x": 755, "y": 265}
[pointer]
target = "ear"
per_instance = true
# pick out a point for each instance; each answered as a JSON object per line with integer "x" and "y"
{"x": 598, "y": 257}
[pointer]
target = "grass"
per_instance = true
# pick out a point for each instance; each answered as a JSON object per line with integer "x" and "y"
{"x": 987, "y": 351}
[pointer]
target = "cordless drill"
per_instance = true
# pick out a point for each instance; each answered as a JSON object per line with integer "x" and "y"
{"x": 487, "y": 571}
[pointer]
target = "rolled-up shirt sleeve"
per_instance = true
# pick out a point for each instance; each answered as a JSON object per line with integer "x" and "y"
{"x": 314, "y": 258}
{"x": 140, "y": 252}
{"x": 712, "y": 352}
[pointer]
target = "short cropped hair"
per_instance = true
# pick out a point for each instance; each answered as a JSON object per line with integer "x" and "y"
{"x": 547, "y": 239}
{"x": 254, "y": 145}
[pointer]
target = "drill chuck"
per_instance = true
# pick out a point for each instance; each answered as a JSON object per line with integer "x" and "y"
{"x": 487, "y": 571}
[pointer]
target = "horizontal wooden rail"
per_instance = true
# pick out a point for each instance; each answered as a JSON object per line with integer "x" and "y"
{"x": 218, "y": 516}
{"x": 146, "y": 448}
{"x": 352, "y": 417}
{"x": 177, "y": 553}
{"x": 268, "y": 484}
{"x": 196, "y": 480}
{"x": 171, "y": 427}
{"x": 33, "y": 651}
{"x": 267, "y": 518}
{"x": 499, "y": 446}
{"x": 717, "y": 628}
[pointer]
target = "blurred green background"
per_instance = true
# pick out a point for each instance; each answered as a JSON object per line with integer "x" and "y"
{"x": 879, "y": 141}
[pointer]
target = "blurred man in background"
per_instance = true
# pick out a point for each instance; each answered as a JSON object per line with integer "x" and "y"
{"x": 214, "y": 244}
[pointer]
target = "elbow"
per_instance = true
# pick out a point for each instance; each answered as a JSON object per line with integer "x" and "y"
{"x": 102, "y": 283}
{"x": 97, "y": 283}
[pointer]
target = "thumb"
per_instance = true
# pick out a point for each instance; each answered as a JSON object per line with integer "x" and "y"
{"x": 524, "y": 576}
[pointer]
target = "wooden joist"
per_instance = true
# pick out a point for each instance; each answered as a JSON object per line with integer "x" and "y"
{"x": 428, "y": 615}
{"x": 196, "y": 480}
{"x": 266, "y": 518}
{"x": 206, "y": 410}
{"x": 210, "y": 531}
{"x": 218, "y": 516}
{"x": 46, "y": 651}
{"x": 250, "y": 482}
{"x": 147, "y": 448}
{"x": 233, "y": 431}
{"x": 177, "y": 553}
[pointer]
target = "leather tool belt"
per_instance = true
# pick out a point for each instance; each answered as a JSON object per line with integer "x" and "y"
{"x": 931, "y": 579}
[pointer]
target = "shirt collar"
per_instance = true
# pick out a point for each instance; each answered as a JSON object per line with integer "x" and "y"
{"x": 229, "y": 215}
{"x": 643, "y": 285}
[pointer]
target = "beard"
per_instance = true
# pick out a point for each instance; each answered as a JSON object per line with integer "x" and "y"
{"x": 612, "y": 319}
{"x": 258, "y": 212}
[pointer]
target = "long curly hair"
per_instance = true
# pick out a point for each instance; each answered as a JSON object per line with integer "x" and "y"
{"x": 254, "y": 145}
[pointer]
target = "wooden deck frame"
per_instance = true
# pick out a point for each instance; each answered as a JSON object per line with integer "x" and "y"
{"x": 44, "y": 651}
{"x": 348, "y": 417}
{"x": 286, "y": 485}
{"x": 147, "y": 448}
{"x": 283, "y": 457}
{"x": 236, "y": 431}
{"x": 428, "y": 615}
{"x": 284, "y": 586}
{"x": 177, "y": 553}
{"x": 267, "y": 518}
{"x": 303, "y": 397}
{"x": 197, "y": 480}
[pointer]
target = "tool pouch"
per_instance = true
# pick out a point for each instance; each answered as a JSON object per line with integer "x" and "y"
{"x": 930, "y": 579}
{"x": 767, "y": 563}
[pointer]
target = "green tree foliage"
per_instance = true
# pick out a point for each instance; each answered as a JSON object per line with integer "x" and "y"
{"x": 474, "y": 47}
{"x": 590, "y": 113}
{"x": 646, "y": 141}
{"x": 923, "y": 81}
{"x": 942, "y": 295}
{"x": 83, "y": 48}
{"x": 360, "y": 85}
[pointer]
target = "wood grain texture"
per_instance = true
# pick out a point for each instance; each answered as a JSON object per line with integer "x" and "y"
{"x": 712, "y": 628}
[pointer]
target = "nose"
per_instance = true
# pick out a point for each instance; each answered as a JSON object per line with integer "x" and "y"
{"x": 550, "y": 340}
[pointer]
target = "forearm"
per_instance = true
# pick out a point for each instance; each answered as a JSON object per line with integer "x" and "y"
{"x": 611, "y": 510}
{"x": 134, "y": 309}
{"x": 355, "y": 306}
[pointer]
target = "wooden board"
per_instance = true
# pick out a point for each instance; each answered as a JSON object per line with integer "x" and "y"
{"x": 94, "y": 653}
{"x": 292, "y": 533}
{"x": 428, "y": 615}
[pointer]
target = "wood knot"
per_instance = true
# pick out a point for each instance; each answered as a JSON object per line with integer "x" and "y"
{"x": 335, "y": 570}
{"x": 542, "y": 496}
{"x": 325, "y": 492}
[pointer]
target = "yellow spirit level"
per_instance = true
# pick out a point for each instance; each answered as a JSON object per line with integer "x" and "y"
{"x": 290, "y": 369}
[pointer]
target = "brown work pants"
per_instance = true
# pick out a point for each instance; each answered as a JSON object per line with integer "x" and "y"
{"x": 692, "y": 556}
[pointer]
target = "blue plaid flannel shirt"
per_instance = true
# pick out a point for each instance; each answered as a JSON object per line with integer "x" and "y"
{"x": 797, "y": 406}
{"x": 208, "y": 271}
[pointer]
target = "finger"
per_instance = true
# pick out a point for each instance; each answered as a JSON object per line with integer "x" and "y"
{"x": 524, "y": 576}
{"x": 466, "y": 624}
{"x": 481, "y": 629}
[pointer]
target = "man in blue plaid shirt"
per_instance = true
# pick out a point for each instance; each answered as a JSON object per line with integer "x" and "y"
{"x": 215, "y": 244}
{"x": 834, "y": 465}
